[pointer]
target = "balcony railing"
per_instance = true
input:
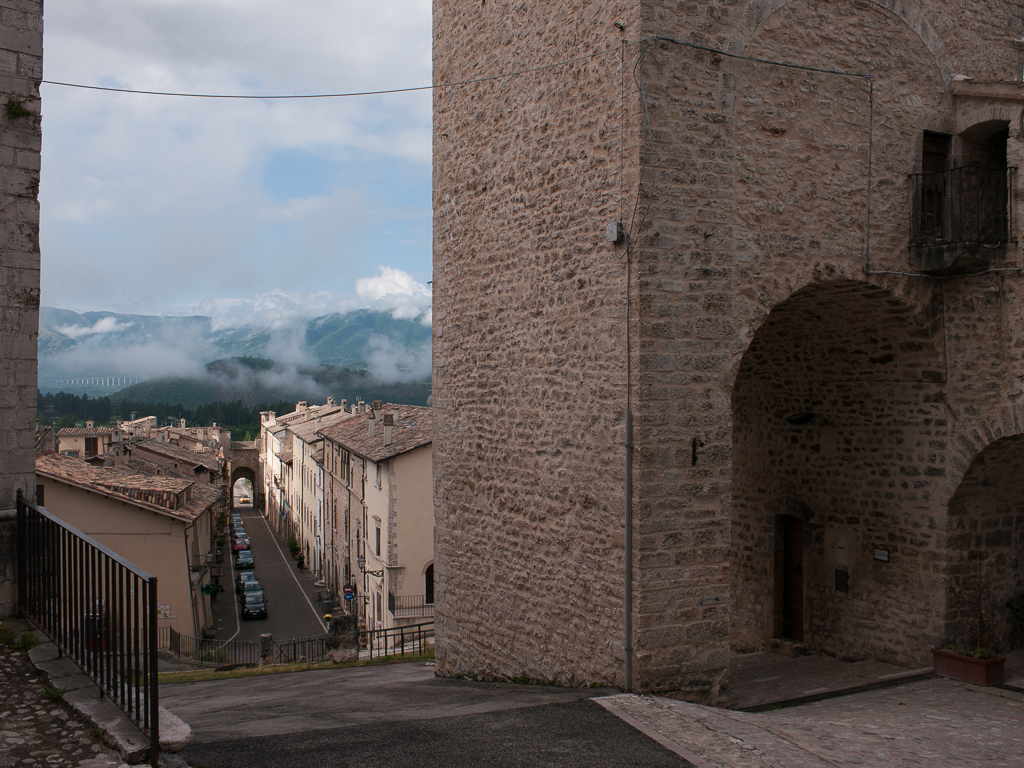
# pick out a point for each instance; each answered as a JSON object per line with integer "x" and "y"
{"x": 960, "y": 214}
{"x": 409, "y": 605}
{"x": 97, "y": 608}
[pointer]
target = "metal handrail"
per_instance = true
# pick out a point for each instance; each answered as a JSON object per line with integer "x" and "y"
{"x": 98, "y": 609}
{"x": 378, "y": 641}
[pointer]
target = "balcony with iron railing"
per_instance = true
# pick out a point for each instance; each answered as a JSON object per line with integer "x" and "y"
{"x": 403, "y": 606}
{"x": 961, "y": 217}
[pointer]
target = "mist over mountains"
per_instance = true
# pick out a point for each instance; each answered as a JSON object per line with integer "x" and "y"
{"x": 115, "y": 347}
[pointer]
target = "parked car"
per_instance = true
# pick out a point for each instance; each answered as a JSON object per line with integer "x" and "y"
{"x": 245, "y": 559}
{"x": 240, "y": 533}
{"x": 243, "y": 577}
{"x": 254, "y": 606}
{"x": 250, "y": 588}
{"x": 237, "y": 545}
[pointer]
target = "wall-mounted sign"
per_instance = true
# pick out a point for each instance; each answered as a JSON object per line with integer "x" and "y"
{"x": 882, "y": 555}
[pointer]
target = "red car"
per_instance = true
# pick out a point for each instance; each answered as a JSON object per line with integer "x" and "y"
{"x": 239, "y": 544}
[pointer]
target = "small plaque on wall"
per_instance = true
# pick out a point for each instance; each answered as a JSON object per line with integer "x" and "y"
{"x": 882, "y": 555}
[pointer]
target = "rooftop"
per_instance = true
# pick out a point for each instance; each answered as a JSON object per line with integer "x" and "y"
{"x": 85, "y": 431}
{"x": 413, "y": 429}
{"x": 132, "y": 482}
{"x": 207, "y": 460}
{"x": 307, "y": 430}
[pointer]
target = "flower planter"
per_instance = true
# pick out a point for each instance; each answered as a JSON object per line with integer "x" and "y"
{"x": 967, "y": 668}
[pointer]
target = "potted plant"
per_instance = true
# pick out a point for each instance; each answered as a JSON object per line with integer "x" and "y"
{"x": 977, "y": 659}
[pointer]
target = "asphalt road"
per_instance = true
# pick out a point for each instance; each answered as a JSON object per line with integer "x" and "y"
{"x": 289, "y": 613}
{"x": 401, "y": 715}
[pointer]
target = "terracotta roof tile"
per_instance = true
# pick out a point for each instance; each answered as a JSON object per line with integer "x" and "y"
{"x": 307, "y": 430}
{"x": 205, "y": 459}
{"x": 131, "y": 482}
{"x": 85, "y": 431}
{"x": 413, "y": 429}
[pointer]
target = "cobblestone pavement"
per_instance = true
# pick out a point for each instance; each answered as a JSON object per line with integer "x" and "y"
{"x": 34, "y": 730}
{"x": 926, "y": 724}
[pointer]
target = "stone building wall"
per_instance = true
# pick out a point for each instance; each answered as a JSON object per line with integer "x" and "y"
{"x": 21, "y": 68}
{"x": 743, "y": 188}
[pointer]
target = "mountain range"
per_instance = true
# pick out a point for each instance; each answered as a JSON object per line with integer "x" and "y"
{"x": 109, "y": 350}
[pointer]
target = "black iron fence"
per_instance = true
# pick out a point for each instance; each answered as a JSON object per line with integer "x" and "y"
{"x": 397, "y": 641}
{"x": 412, "y": 640}
{"x": 409, "y": 605}
{"x": 308, "y": 648}
{"x": 961, "y": 205}
{"x": 98, "y": 609}
{"x": 217, "y": 653}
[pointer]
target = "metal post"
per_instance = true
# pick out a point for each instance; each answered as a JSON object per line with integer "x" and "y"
{"x": 628, "y": 670}
{"x": 154, "y": 701}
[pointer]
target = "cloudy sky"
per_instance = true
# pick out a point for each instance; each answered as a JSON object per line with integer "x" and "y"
{"x": 236, "y": 208}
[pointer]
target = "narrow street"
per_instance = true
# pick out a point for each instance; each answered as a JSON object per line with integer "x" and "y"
{"x": 290, "y": 612}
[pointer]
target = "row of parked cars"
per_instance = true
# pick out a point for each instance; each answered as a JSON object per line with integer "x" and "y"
{"x": 251, "y": 600}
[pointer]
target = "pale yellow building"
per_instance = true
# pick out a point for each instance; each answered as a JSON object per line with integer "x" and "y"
{"x": 88, "y": 441}
{"x": 378, "y": 473}
{"x": 159, "y": 522}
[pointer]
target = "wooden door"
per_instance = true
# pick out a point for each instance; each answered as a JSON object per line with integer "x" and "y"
{"x": 793, "y": 578}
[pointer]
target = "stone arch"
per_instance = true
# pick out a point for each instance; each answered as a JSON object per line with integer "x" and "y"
{"x": 758, "y": 12}
{"x": 972, "y": 114}
{"x": 244, "y": 461}
{"x": 985, "y": 540}
{"x": 833, "y": 398}
{"x": 428, "y": 582}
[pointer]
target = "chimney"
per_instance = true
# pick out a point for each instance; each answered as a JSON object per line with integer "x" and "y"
{"x": 89, "y": 424}
{"x": 373, "y": 423}
{"x": 330, "y": 401}
{"x": 360, "y": 407}
{"x": 376, "y": 405}
{"x": 389, "y": 423}
{"x": 344, "y": 404}
{"x": 182, "y": 423}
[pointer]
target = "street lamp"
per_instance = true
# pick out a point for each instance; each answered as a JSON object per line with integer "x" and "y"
{"x": 361, "y": 562}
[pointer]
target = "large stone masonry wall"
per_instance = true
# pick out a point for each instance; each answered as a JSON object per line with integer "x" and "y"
{"x": 529, "y": 338}
{"x": 741, "y": 185}
{"x": 21, "y": 68}
{"x": 986, "y": 541}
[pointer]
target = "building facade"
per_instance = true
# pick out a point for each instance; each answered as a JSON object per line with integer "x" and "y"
{"x": 780, "y": 238}
{"x": 378, "y": 486}
{"x": 21, "y": 63}
{"x": 159, "y": 521}
{"x": 88, "y": 441}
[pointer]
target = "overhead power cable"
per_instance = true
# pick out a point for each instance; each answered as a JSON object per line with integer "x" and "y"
{"x": 383, "y": 92}
{"x": 457, "y": 84}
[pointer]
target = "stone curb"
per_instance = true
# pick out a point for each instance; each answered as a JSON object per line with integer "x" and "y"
{"x": 888, "y": 681}
{"x": 118, "y": 731}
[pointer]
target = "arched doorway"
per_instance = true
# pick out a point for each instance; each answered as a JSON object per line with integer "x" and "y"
{"x": 243, "y": 486}
{"x": 837, "y": 437}
{"x": 985, "y": 534}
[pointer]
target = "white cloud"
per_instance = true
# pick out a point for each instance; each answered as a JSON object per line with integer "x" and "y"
{"x": 396, "y": 292}
{"x": 103, "y": 325}
{"x": 390, "y": 362}
{"x": 148, "y": 200}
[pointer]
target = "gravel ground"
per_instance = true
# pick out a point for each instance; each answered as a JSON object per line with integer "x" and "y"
{"x": 33, "y": 729}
